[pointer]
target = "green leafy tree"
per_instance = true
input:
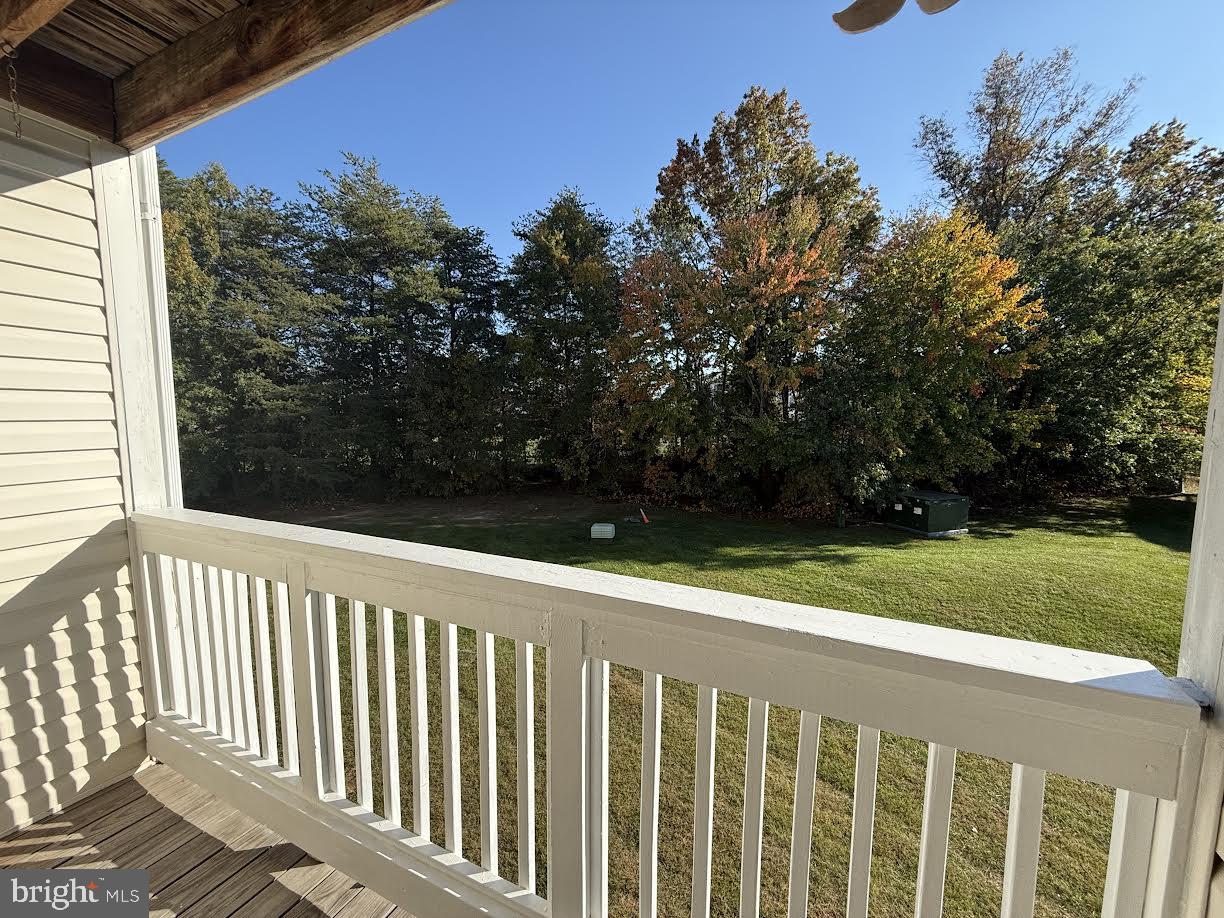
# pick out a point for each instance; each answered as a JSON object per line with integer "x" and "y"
{"x": 920, "y": 374}
{"x": 562, "y": 304}
{"x": 244, "y": 325}
{"x": 752, "y": 241}
{"x": 474, "y": 434}
{"x": 1125, "y": 246}
{"x": 407, "y": 354}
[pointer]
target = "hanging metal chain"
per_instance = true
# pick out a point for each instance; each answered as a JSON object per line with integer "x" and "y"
{"x": 10, "y": 57}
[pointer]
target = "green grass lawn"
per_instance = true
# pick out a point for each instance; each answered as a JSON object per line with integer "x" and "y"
{"x": 1106, "y": 576}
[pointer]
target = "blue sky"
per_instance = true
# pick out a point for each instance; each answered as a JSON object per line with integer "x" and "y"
{"x": 494, "y": 105}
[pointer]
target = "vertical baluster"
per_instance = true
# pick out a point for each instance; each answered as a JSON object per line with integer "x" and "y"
{"x": 384, "y": 635}
{"x": 304, "y": 632}
{"x": 754, "y": 808}
{"x": 167, "y": 634}
{"x": 216, "y": 630}
{"x": 419, "y": 715}
{"x": 229, "y": 630}
{"x": 333, "y": 734}
{"x": 263, "y": 673}
{"x": 453, "y": 806}
{"x": 936, "y": 821}
{"x": 703, "y": 799}
{"x": 146, "y": 594}
{"x": 524, "y": 680}
{"x": 568, "y": 680}
{"x": 187, "y": 630}
{"x": 486, "y": 688}
{"x": 242, "y": 609}
{"x": 648, "y": 825}
{"x": 597, "y": 786}
{"x": 867, "y": 762}
{"x": 1130, "y": 855}
{"x": 1023, "y": 841}
{"x": 284, "y": 676}
{"x": 361, "y": 704}
{"x": 205, "y": 658}
{"x": 805, "y": 808}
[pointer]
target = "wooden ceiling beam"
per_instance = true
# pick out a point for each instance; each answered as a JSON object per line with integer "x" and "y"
{"x": 49, "y": 83}
{"x": 247, "y": 51}
{"x": 19, "y": 19}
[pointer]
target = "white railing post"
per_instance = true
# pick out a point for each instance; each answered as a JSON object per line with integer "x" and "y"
{"x": 866, "y": 766}
{"x": 304, "y": 624}
{"x": 1174, "y": 875}
{"x": 597, "y": 787}
{"x": 567, "y": 746}
{"x": 703, "y": 799}
{"x": 153, "y": 649}
{"x": 1190, "y": 869}
{"x": 1023, "y": 841}
{"x": 936, "y": 821}
{"x": 328, "y": 673}
{"x": 524, "y": 679}
{"x": 804, "y": 809}
{"x": 1130, "y": 855}
{"x": 648, "y": 823}
{"x": 284, "y": 676}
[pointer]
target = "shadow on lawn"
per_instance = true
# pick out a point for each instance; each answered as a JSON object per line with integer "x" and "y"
{"x": 717, "y": 543}
{"x": 696, "y": 541}
{"x": 1164, "y": 521}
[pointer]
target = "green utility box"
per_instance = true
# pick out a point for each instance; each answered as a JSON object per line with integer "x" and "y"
{"x": 930, "y": 513}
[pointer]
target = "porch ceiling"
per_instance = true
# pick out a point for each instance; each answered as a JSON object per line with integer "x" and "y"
{"x": 138, "y": 71}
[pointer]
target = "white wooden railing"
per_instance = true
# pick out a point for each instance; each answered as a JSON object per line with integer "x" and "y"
{"x": 241, "y": 644}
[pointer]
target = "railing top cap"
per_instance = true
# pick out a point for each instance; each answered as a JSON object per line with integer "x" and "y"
{"x": 937, "y": 652}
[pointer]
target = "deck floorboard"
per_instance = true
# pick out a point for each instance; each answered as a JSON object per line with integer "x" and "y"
{"x": 205, "y": 858}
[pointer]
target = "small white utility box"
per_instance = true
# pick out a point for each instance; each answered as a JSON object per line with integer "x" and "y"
{"x": 603, "y": 531}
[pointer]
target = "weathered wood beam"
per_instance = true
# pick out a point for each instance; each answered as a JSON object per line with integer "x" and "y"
{"x": 49, "y": 83}
{"x": 19, "y": 19}
{"x": 247, "y": 51}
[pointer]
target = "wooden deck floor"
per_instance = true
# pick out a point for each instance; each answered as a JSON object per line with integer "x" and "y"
{"x": 205, "y": 859}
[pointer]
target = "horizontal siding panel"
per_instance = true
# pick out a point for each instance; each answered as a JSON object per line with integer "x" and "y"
{"x": 31, "y": 623}
{"x": 61, "y": 674}
{"x": 75, "y": 727}
{"x": 32, "y": 405}
{"x": 35, "y": 312}
{"x": 49, "y": 285}
{"x": 44, "y": 221}
{"x": 38, "y": 771}
{"x": 56, "y": 558}
{"x": 45, "y": 160}
{"x": 55, "y": 436}
{"x": 65, "y": 790}
{"x": 35, "y": 712}
{"x": 60, "y": 526}
{"x": 54, "y": 496}
{"x": 35, "y": 131}
{"x": 30, "y": 468}
{"x": 46, "y": 192}
{"x": 58, "y": 645}
{"x": 16, "y": 596}
{"x": 57, "y": 375}
{"x": 16, "y": 341}
{"x": 38, "y": 252}
{"x": 71, "y": 708}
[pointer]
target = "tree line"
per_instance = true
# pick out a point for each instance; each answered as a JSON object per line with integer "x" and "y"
{"x": 764, "y": 337}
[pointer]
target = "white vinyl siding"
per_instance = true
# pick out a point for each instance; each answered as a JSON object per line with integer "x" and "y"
{"x": 71, "y": 700}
